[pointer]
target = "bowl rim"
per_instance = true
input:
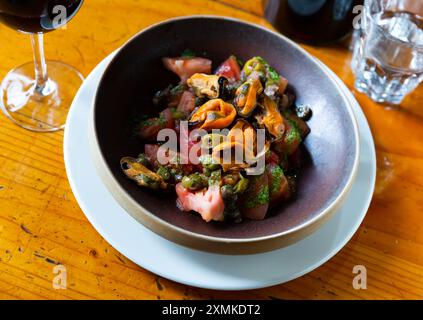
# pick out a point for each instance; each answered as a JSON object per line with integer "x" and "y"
{"x": 301, "y": 227}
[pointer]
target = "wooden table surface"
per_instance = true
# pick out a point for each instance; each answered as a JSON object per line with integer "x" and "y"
{"x": 41, "y": 224}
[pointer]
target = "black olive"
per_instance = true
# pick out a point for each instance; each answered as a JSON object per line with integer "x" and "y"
{"x": 304, "y": 112}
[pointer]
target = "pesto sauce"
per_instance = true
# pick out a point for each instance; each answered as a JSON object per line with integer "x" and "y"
{"x": 161, "y": 121}
{"x": 294, "y": 133}
{"x": 261, "y": 199}
{"x": 277, "y": 174}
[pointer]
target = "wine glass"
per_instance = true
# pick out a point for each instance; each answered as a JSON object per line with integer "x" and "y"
{"x": 37, "y": 95}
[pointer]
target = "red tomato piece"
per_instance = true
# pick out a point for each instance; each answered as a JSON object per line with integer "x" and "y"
{"x": 230, "y": 69}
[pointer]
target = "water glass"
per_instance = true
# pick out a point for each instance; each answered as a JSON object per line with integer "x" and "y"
{"x": 388, "y": 61}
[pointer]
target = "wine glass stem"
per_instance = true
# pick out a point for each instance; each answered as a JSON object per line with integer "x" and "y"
{"x": 41, "y": 76}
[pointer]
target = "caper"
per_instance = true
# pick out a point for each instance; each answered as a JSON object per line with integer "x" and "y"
{"x": 207, "y": 172}
{"x": 177, "y": 115}
{"x": 304, "y": 112}
{"x": 230, "y": 179}
{"x": 228, "y": 192}
{"x": 194, "y": 182}
{"x": 164, "y": 173}
{"x": 210, "y": 141}
{"x": 215, "y": 178}
{"x": 142, "y": 159}
{"x": 176, "y": 174}
{"x": 209, "y": 163}
{"x": 213, "y": 166}
{"x": 241, "y": 186}
{"x": 147, "y": 181}
{"x": 230, "y": 198}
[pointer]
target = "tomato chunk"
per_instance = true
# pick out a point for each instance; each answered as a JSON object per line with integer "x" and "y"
{"x": 278, "y": 184}
{"x": 187, "y": 67}
{"x": 255, "y": 200}
{"x": 150, "y": 128}
{"x": 230, "y": 69}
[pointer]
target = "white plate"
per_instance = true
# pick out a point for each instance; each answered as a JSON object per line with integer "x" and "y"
{"x": 197, "y": 268}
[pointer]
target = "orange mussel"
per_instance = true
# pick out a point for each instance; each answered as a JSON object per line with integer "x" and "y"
{"x": 241, "y": 141}
{"x": 246, "y": 96}
{"x": 214, "y": 114}
{"x": 271, "y": 118}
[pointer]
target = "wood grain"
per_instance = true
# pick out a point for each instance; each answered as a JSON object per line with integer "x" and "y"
{"x": 41, "y": 224}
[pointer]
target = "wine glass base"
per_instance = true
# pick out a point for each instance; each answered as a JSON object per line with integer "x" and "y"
{"x": 35, "y": 110}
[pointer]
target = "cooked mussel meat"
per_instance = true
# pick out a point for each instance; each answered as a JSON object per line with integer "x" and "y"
{"x": 210, "y": 86}
{"x": 214, "y": 114}
{"x": 141, "y": 174}
{"x": 270, "y": 118}
{"x": 246, "y": 96}
{"x": 273, "y": 82}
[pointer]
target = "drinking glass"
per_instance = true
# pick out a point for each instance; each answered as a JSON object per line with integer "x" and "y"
{"x": 388, "y": 61}
{"x": 37, "y": 95}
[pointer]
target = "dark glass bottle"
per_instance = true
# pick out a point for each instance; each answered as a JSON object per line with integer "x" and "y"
{"x": 312, "y": 21}
{"x": 34, "y": 16}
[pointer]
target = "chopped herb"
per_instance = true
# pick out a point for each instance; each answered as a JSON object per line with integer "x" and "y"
{"x": 294, "y": 134}
{"x": 277, "y": 174}
{"x": 273, "y": 75}
{"x": 164, "y": 173}
{"x": 242, "y": 185}
{"x": 261, "y": 199}
{"x": 177, "y": 115}
{"x": 153, "y": 122}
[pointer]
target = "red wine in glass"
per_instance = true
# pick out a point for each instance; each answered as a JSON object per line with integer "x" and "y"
{"x": 39, "y": 100}
{"x": 33, "y": 16}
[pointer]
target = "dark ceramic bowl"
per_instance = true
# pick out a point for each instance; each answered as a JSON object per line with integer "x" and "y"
{"x": 136, "y": 72}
